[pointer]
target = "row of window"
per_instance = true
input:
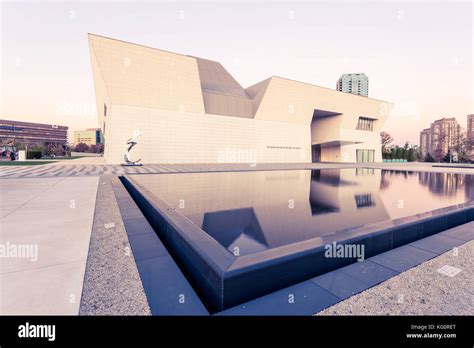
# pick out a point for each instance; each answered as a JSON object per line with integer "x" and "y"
{"x": 366, "y": 124}
{"x": 363, "y": 201}
{"x": 365, "y": 155}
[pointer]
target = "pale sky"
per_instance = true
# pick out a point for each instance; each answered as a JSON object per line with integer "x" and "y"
{"x": 418, "y": 55}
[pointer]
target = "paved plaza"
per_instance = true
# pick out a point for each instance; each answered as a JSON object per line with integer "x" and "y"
{"x": 50, "y": 221}
{"x": 63, "y": 209}
{"x": 91, "y": 167}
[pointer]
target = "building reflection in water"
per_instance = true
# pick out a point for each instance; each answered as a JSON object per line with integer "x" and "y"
{"x": 258, "y": 210}
{"x": 386, "y": 176}
{"x": 445, "y": 184}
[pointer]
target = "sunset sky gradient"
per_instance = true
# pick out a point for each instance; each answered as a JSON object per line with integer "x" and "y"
{"x": 417, "y": 55}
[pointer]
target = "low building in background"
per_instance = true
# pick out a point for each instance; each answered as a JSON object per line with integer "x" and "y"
{"x": 191, "y": 110}
{"x": 90, "y": 136}
{"x": 30, "y": 133}
{"x": 354, "y": 83}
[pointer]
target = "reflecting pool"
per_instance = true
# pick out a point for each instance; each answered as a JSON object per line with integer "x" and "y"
{"x": 247, "y": 212}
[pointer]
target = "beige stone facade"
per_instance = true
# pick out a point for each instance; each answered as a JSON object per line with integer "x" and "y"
{"x": 191, "y": 110}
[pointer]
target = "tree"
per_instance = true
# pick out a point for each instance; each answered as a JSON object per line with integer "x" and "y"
{"x": 82, "y": 147}
{"x": 411, "y": 155}
{"x": 429, "y": 158}
{"x": 100, "y": 148}
{"x": 55, "y": 149}
{"x": 438, "y": 154}
{"x": 398, "y": 152}
{"x": 417, "y": 155}
{"x": 447, "y": 157}
{"x": 462, "y": 146}
{"x": 385, "y": 139}
{"x": 408, "y": 152}
{"x": 469, "y": 149}
{"x": 97, "y": 148}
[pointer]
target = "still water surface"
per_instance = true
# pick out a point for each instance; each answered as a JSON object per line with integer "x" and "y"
{"x": 259, "y": 210}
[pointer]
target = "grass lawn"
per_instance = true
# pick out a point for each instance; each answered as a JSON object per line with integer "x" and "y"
{"x": 67, "y": 158}
{"x": 24, "y": 163}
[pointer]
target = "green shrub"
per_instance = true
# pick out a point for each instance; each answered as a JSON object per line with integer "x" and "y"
{"x": 34, "y": 154}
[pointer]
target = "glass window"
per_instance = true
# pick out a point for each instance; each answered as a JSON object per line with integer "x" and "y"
{"x": 364, "y": 200}
{"x": 365, "y": 155}
{"x": 366, "y": 124}
{"x": 359, "y": 155}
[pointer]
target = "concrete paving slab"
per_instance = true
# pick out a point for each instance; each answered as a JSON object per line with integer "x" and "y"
{"x": 146, "y": 245}
{"x": 437, "y": 244}
{"x": 464, "y": 232}
{"x": 402, "y": 258}
{"x": 352, "y": 279}
{"x": 304, "y": 298}
{"x": 54, "y": 290}
{"x": 42, "y": 235}
{"x": 17, "y": 192}
{"x": 340, "y": 284}
{"x": 168, "y": 291}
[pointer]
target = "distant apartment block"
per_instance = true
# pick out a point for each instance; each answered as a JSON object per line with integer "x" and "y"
{"x": 90, "y": 136}
{"x": 425, "y": 141}
{"x": 442, "y": 136}
{"x": 32, "y": 133}
{"x": 354, "y": 83}
{"x": 470, "y": 136}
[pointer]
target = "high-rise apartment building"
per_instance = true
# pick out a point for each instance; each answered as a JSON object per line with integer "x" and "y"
{"x": 354, "y": 83}
{"x": 425, "y": 141}
{"x": 470, "y": 136}
{"x": 442, "y": 136}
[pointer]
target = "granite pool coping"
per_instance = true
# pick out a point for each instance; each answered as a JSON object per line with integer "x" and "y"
{"x": 167, "y": 290}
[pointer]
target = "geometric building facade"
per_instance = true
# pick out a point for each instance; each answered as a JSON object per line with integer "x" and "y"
{"x": 191, "y": 110}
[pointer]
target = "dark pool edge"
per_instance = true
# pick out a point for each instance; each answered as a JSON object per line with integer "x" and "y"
{"x": 314, "y": 295}
{"x": 204, "y": 260}
{"x": 452, "y": 166}
{"x": 311, "y": 260}
{"x": 248, "y": 277}
{"x": 166, "y": 288}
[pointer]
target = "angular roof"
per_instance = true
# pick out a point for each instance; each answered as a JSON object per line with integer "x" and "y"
{"x": 137, "y": 75}
{"x": 215, "y": 79}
